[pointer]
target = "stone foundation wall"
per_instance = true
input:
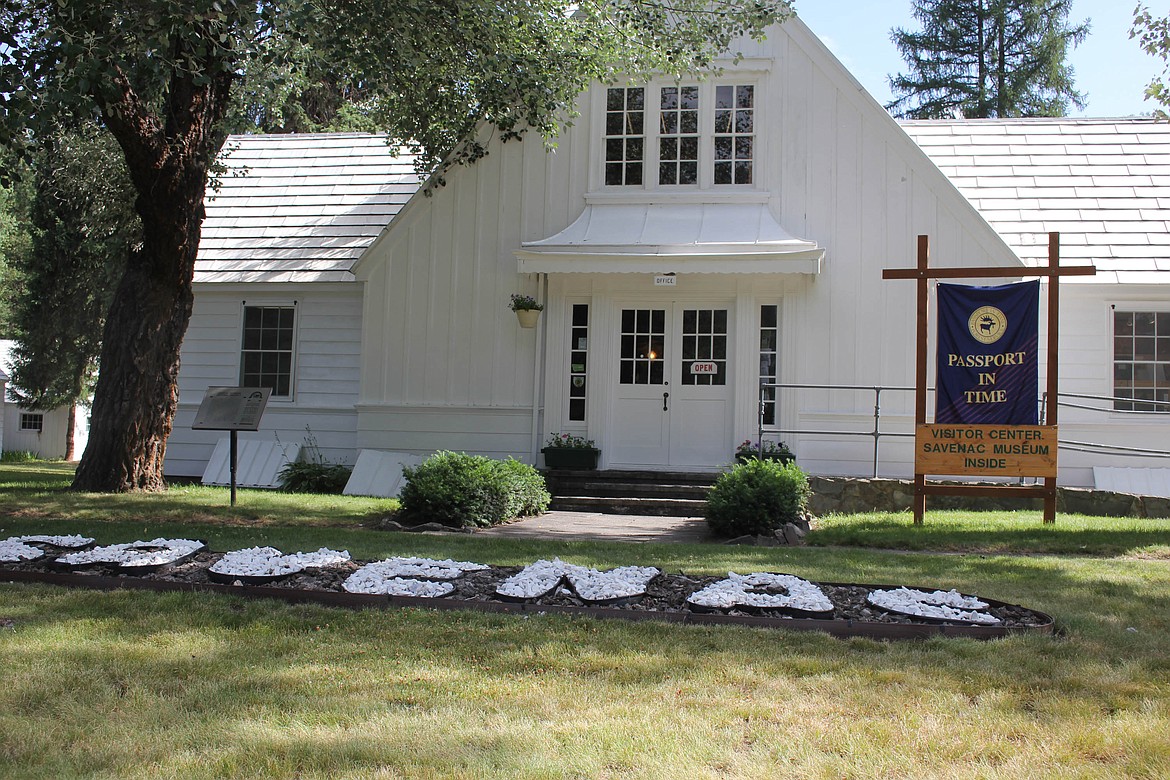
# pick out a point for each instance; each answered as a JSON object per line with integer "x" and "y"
{"x": 838, "y": 495}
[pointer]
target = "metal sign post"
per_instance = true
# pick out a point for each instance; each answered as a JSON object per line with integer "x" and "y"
{"x": 924, "y": 462}
{"x": 232, "y": 409}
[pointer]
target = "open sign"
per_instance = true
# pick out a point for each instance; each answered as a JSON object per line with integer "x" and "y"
{"x": 705, "y": 368}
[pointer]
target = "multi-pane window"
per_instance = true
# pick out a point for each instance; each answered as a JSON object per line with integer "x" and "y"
{"x": 704, "y": 347}
{"x": 266, "y": 358}
{"x": 1141, "y": 360}
{"x": 578, "y": 361}
{"x": 31, "y": 421}
{"x": 678, "y": 135}
{"x": 769, "y": 352}
{"x": 625, "y": 140}
{"x": 735, "y": 124}
{"x": 643, "y": 336}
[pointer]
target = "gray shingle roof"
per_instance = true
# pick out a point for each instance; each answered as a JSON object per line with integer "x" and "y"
{"x": 1104, "y": 184}
{"x": 300, "y": 207}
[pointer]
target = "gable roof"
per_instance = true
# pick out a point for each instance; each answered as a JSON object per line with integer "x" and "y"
{"x": 1103, "y": 184}
{"x": 300, "y": 208}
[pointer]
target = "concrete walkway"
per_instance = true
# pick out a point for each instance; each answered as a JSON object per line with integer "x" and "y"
{"x": 594, "y": 526}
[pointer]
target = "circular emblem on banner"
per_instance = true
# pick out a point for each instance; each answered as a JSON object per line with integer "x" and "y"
{"x": 987, "y": 324}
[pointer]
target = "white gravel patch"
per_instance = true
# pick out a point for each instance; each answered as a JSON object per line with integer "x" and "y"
{"x": 57, "y": 541}
{"x": 535, "y": 580}
{"x": 756, "y": 590}
{"x": 271, "y": 562}
{"x": 620, "y": 583}
{"x": 544, "y": 576}
{"x": 14, "y": 550}
{"x": 155, "y": 552}
{"x": 939, "y": 604}
{"x": 422, "y": 577}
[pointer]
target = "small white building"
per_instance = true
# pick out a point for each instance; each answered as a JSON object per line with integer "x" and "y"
{"x": 39, "y": 432}
{"x": 688, "y": 239}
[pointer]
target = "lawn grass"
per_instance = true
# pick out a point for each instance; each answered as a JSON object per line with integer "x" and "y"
{"x": 39, "y": 491}
{"x": 997, "y": 532}
{"x": 141, "y": 685}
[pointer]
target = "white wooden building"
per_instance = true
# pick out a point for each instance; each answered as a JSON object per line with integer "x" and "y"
{"x": 40, "y": 432}
{"x": 689, "y": 239}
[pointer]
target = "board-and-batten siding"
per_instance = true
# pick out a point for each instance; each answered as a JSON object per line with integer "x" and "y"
{"x": 326, "y": 366}
{"x": 447, "y": 365}
{"x": 49, "y": 442}
{"x": 1086, "y": 366}
{"x": 443, "y": 355}
{"x": 851, "y": 179}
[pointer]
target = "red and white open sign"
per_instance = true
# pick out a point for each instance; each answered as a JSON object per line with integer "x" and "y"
{"x": 704, "y": 368}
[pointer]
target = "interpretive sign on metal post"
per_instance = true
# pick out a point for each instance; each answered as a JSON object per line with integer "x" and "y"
{"x": 232, "y": 409}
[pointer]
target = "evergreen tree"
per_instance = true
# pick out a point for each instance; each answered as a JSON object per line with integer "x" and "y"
{"x": 987, "y": 58}
{"x": 81, "y": 226}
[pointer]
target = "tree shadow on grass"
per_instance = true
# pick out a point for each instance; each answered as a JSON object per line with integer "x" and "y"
{"x": 280, "y": 688}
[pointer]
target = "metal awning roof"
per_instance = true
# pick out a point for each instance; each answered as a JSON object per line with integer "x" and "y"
{"x": 729, "y": 238}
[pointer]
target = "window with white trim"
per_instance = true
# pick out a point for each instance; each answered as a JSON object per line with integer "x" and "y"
{"x": 266, "y": 354}
{"x": 769, "y": 359}
{"x": 735, "y": 133}
{"x": 1141, "y": 360}
{"x": 32, "y": 421}
{"x": 625, "y": 135}
{"x": 680, "y": 136}
{"x": 578, "y": 361}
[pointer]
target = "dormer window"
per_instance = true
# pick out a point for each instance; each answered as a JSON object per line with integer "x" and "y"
{"x": 625, "y": 141}
{"x": 674, "y": 135}
{"x": 735, "y": 123}
{"x": 678, "y": 135}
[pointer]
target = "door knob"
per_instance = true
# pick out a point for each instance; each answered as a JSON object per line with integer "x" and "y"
{"x": 664, "y": 406}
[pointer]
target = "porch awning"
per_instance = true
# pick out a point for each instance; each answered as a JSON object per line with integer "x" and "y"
{"x": 713, "y": 238}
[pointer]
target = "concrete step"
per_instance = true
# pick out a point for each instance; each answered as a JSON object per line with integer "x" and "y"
{"x": 663, "y": 507}
{"x": 631, "y": 490}
{"x": 704, "y": 478}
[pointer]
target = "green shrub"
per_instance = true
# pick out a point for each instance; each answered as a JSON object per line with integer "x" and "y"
{"x": 757, "y": 497}
{"x": 18, "y": 456}
{"x": 314, "y": 477}
{"x": 457, "y": 489}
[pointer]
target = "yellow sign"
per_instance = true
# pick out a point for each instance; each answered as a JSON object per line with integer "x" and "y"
{"x": 986, "y": 450}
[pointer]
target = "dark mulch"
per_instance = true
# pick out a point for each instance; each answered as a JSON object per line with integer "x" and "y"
{"x": 665, "y": 593}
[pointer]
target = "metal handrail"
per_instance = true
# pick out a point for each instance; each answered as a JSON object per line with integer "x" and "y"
{"x": 877, "y": 433}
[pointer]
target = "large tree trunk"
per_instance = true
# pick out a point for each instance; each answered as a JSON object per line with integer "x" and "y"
{"x": 168, "y": 157}
{"x": 136, "y": 394}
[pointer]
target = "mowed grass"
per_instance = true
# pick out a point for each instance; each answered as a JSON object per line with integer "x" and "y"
{"x": 39, "y": 491}
{"x": 997, "y": 532}
{"x": 140, "y": 685}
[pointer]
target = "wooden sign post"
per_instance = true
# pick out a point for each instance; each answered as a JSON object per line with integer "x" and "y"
{"x": 986, "y": 450}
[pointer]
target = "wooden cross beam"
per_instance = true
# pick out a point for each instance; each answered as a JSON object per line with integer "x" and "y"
{"x": 922, "y": 274}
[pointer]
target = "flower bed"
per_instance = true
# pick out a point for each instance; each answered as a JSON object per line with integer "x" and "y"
{"x": 759, "y": 598}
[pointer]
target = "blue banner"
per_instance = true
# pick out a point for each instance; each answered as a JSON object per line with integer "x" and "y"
{"x": 987, "y": 340}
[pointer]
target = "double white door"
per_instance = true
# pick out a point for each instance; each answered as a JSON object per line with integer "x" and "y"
{"x": 673, "y": 386}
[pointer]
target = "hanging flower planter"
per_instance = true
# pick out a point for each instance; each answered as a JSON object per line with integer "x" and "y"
{"x": 528, "y": 317}
{"x": 527, "y": 309}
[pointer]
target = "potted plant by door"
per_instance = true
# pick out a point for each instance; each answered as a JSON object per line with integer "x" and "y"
{"x": 570, "y": 452}
{"x": 527, "y": 309}
{"x": 765, "y": 450}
